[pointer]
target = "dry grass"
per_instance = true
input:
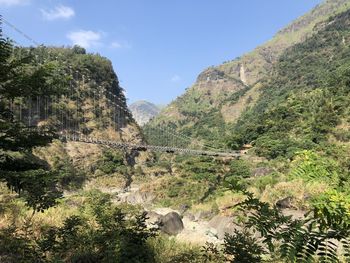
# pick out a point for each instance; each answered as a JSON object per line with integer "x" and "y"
{"x": 54, "y": 216}
{"x": 106, "y": 181}
{"x": 228, "y": 200}
{"x": 231, "y": 113}
{"x": 298, "y": 189}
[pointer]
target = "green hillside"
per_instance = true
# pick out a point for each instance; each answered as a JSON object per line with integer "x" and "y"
{"x": 209, "y": 108}
{"x": 305, "y": 102}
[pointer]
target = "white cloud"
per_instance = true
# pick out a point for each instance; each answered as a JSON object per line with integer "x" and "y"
{"x": 120, "y": 44}
{"x": 59, "y": 12}
{"x": 13, "y": 2}
{"x": 85, "y": 38}
{"x": 116, "y": 44}
{"x": 176, "y": 78}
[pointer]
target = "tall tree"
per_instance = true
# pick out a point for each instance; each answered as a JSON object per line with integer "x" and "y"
{"x": 21, "y": 77}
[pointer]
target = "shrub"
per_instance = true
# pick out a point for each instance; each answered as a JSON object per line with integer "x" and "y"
{"x": 112, "y": 162}
{"x": 332, "y": 208}
{"x": 310, "y": 166}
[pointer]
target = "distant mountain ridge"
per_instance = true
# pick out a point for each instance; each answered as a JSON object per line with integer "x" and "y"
{"x": 143, "y": 111}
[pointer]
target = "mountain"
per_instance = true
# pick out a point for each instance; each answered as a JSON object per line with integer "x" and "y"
{"x": 94, "y": 80}
{"x": 143, "y": 111}
{"x": 304, "y": 103}
{"x": 211, "y": 107}
{"x": 97, "y": 92}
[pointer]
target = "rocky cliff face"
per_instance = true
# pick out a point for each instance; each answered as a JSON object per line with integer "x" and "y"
{"x": 143, "y": 111}
{"x": 225, "y": 91}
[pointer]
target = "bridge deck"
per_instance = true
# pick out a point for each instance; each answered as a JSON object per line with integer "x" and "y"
{"x": 145, "y": 147}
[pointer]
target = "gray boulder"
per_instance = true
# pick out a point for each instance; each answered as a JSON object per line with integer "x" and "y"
{"x": 153, "y": 218}
{"x": 222, "y": 225}
{"x": 171, "y": 223}
{"x": 206, "y": 215}
{"x": 285, "y": 203}
{"x": 139, "y": 198}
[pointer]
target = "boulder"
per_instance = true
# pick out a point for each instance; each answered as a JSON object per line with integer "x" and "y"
{"x": 139, "y": 197}
{"x": 222, "y": 225}
{"x": 171, "y": 223}
{"x": 285, "y": 203}
{"x": 204, "y": 215}
{"x": 153, "y": 218}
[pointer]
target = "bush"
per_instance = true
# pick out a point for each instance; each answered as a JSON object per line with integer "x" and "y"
{"x": 101, "y": 233}
{"x": 112, "y": 161}
{"x": 243, "y": 247}
{"x": 240, "y": 168}
{"x": 310, "y": 166}
{"x": 332, "y": 208}
{"x": 273, "y": 146}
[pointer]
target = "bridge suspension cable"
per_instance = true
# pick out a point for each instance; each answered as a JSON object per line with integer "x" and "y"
{"x": 87, "y": 109}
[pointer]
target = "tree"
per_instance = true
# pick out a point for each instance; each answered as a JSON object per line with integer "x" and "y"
{"x": 78, "y": 49}
{"x": 24, "y": 173}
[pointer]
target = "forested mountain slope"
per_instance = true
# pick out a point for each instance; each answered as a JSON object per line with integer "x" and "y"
{"x": 304, "y": 103}
{"x": 92, "y": 81}
{"x": 213, "y": 104}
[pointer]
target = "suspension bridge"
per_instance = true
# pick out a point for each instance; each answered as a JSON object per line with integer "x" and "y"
{"x": 95, "y": 113}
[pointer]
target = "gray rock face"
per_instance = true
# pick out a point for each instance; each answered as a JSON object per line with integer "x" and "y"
{"x": 171, "y": 223}
{"x": 285, "y": 203}
{"x": 211, "y": 74}
{"x": 138, "y": 197}
{"x": 223, "y": 225}
{"x": 143, "y": 111}
{"x": 153, "y": 218}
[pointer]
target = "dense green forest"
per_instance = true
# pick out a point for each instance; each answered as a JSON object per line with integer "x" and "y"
{"x": 305, "y": 102}
{"x": 299, "y": 129}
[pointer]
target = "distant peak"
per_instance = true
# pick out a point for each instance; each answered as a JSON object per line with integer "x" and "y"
{"x": 143, "y": 111}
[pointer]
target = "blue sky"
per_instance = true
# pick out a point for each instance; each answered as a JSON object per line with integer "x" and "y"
{"x": 158, "y": 47}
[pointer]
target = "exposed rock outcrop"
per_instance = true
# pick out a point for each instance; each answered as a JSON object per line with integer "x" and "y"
{"x": 285, "y": 203}
{"x": 222, "y": 225}
{"x": 138, "y": 197}
{"x": 171, "y": 223}
{"x": 143, "y": 111}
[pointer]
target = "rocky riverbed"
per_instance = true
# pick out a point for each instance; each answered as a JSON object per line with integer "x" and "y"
{"x": 184, "y": 226}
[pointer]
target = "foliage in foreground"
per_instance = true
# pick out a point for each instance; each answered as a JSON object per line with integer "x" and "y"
{"x": 322, "y": 235}
{"x": 24, "y": 173}
{"x": 101, "y": 233}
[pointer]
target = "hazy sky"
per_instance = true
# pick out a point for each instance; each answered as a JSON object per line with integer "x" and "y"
{"x": 158, "y": 47}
